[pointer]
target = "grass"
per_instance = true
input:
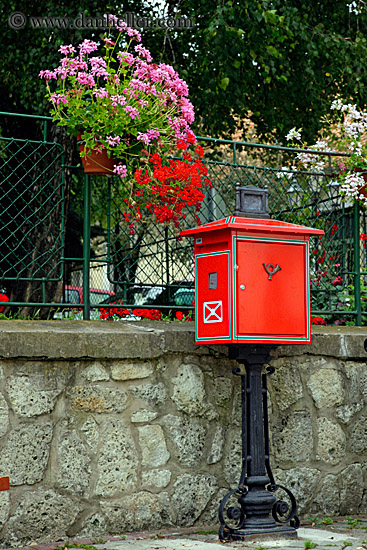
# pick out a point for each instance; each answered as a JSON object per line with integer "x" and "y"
{"x": 321, "y": 521}
{"x": 70, "y": 545}
{"x": 309, "y": 545}
{"x": 355, "y": 523}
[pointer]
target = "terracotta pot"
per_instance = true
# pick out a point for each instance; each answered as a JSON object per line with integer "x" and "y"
{"x": 363, "y": 189}
{"x": 96, "y": 162}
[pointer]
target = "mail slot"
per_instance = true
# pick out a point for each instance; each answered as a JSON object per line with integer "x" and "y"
{"x": 252, "y": 281}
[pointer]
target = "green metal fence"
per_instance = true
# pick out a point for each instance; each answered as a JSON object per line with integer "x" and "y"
{"x": 154, "y": 267}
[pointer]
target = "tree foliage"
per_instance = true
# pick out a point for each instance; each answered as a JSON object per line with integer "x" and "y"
{"x": 278, "y": 63}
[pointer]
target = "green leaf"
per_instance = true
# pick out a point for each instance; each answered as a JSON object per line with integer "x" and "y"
{"x": 273, "y": 51}
{"x": 224, "y": 83}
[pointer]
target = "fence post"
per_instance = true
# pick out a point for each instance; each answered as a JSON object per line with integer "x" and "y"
{"x": 166, "y": 252}
{"x": 357, "y": 265}
{"x": 86, "y": 248}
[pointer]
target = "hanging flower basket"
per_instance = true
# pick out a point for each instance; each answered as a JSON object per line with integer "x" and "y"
{"x": 96, "y": 161}
{"x": 137, "y": 116}
{"x": 362, "y": 172}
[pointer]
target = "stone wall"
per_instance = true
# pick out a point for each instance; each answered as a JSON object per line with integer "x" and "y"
{"x": 114, "y": 427}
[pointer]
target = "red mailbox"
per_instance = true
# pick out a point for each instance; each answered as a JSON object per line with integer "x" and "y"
{"x": 252, "y": 278}
{"x": 252, "y": 281}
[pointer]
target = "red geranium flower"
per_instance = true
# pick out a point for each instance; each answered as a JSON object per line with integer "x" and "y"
{"x": 318, "y": 321}
{"x": 334, "y": 229}
{"x": 3, "y": 298}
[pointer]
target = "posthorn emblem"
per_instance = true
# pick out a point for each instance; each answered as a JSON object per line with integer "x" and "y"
{"x": 271, "y": 270}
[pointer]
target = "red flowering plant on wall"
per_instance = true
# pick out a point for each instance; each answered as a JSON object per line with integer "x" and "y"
{"x": 119, "y": 100}
{"x": 327, "y": 277}
{"x": 165, "y": 187}
{"x": 3, "y": 300}
{"x": 117, "y": 313}
{"x": 333, "y": 288}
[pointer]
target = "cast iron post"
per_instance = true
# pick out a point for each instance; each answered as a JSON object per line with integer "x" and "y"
{"x": 258, "y": 511}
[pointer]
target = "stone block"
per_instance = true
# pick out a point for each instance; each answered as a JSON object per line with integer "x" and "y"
{"x": 153, "y": 446}
{"x": 182, "y": 339}
{"x": 155, "y": 479}
{"x": 141, "y": 511}
{"x": 42, "y": 515}
{"x": 217, "y": 445}
{"x": 97, "y": 399}
{"x": 285, "y": 383}
{"x": 153, "y": 394}
{"x": 327, "y": 387}
{"x": 143, "y": 416}
{"x": 222, "y": 392}
{"x": 341, "y": 342}
{"x": 131, "y": 371}
{"x": 192, "y": 492}
{"x": 210, "y": 514}
{"x": 95, "y": 372}
{"x": 236, "y": 416}
{"x": 302, "y": 482}
{"x": 331, "y": 441}
{"x": 116, "y": 465}
{"x": 351, "y": 490}
{"x": 33, "y": 394}
{"x": 345, "y": 413}
{"x": 4, "y": 507}
{"x": 358, "y": 436}
{"x": 76, "y": 339}
{"x": 292, "y": 437}
{"x": 233, "y": 460}
{"x": 73, "y": 464}
{"x": 90, "y": 429}
{"x": 189, "y": 391}
{"x": 94, "y": 526}
{"x": 326, "y": 500}
{"x": 4, "y": 416}
{"x": 25, "y": 454}
{"x": 356, "y": 377}
{"x": 188, "y": 438}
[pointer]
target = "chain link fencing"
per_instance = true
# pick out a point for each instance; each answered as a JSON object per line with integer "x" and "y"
{"x": 154, "y": 267}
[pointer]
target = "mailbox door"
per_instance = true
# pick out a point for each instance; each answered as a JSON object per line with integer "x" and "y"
{"x": 272, "y": 290}
{"x": 212, "y": 312}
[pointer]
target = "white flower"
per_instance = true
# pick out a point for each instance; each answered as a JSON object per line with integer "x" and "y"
{"x": 294, "y": 134}
{"x": 350, "y": 188}
{"x": 352, "y": 7}
{"x": 336, "y": 105}
{"x": 286, "y": 172}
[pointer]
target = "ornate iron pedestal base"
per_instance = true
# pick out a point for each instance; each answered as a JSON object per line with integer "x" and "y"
{"x": 252, "y": 508}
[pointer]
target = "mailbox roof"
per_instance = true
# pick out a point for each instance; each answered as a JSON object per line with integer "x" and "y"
{"x": 253, "y": 224}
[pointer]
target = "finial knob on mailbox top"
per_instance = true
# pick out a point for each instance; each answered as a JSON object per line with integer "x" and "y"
{"x": 252, "y": 276}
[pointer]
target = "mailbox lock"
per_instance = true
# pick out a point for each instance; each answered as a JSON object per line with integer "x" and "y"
{"x": 242, "y": 287}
